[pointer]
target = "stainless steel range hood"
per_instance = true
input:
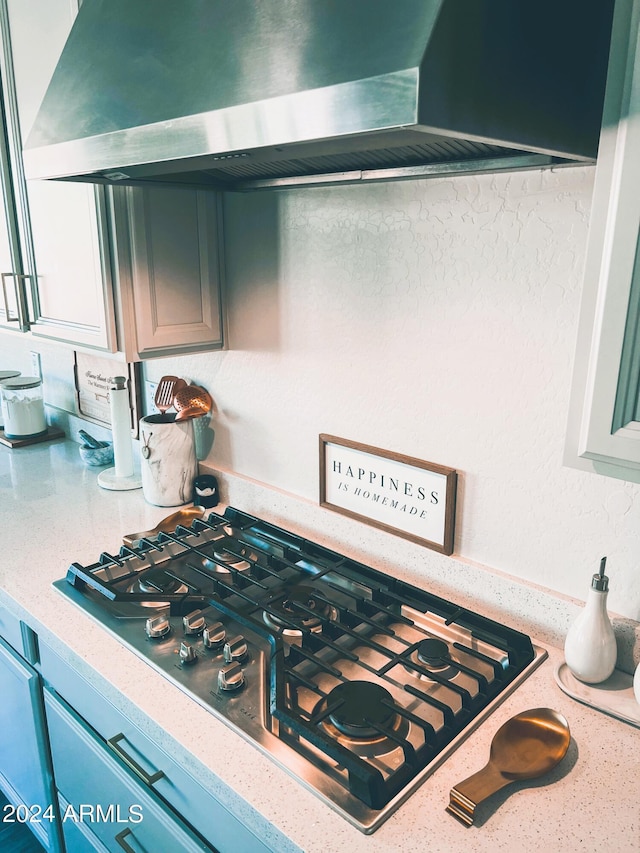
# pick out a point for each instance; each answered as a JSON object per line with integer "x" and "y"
{"x": 238, "y": 94}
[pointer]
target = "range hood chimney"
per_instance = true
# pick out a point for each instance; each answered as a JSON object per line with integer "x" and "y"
{"x": 240, "y": 94}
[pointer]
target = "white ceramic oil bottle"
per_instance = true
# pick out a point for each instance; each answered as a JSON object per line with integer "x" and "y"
{"x": 590, "y": 648}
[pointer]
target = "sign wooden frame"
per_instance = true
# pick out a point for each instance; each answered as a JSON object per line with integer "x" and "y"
{"x": 402, "y": 495}
{"x": 93, "y": 376}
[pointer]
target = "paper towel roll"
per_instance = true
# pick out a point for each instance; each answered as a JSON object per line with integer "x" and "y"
{"x": 121, "y": 427}
{"x": 122, "y": 476}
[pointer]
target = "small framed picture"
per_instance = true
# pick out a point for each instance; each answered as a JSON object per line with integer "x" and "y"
{"x": 405, "y": 496}
{"x": 94, "y": 376}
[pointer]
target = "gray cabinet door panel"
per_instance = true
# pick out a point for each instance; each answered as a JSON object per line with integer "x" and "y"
{"x": 63, "y": 244}
{"x": 170, "y": 274}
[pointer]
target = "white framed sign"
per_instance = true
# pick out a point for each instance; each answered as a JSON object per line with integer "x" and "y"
{"x": 94, "y": 376}
{"x": 405, "y": 496}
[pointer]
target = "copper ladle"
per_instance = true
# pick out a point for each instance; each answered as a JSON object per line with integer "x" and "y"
{"x": 525, "y": 747}
{"x": 192, "y": 402}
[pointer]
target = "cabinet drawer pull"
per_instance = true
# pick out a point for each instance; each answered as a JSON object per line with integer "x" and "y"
{"x": 132, "y": 764}
{"x": 120, "y": 840}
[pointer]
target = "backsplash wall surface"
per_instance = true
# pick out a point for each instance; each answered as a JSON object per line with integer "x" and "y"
{"x": 436, "y": 319}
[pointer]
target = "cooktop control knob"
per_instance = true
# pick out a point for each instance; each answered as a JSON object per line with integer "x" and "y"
{"x": 235, "y": 649}
{"x": 187, "y": 653}
{"x": 193, "y": 623}
{"x": 214, "y": 635}
{"x": 157, "y": 627}
{"x": 231, "y": 677}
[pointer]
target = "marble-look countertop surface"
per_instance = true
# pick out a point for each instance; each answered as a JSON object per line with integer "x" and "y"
{"x": 54, "y": 513}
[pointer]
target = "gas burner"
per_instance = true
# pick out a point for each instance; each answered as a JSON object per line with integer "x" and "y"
{"x": 360, "y": 706}
{"x": 433, "y": 653}
{"x": 157, "y": 581}
{"x": 358, "y": 710}
{"x": 289, "y": 614}
{"x": 230, "y": 552}
{"x": 431, "y": 656}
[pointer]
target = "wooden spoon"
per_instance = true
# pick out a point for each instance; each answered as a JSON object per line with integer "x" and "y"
{"x": 525, "y": 747}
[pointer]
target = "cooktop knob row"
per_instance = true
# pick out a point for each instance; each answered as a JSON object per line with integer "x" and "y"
{"x": 231, "y": 677}
{"x": 157, "y": 627}
{"x": 235, "y": 649}
{"x": 193, "y": 623}
{"x": 187, "y": 653}
{"x": 214, "y": 635}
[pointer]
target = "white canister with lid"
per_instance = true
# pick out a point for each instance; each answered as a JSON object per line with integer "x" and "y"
{"x": 23, "y": 407}
{"x": 6, "y": 374}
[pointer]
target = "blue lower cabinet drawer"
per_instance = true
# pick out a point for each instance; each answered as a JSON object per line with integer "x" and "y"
{"x": 78, "y": 838}
{"x": 105, "y": 800}
{"x": 154, "y": 765}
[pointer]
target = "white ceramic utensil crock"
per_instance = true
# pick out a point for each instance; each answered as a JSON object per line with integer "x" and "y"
{"x": 168, "y": 460}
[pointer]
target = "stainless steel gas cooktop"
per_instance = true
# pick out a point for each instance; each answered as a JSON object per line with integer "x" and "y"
{"x": 356, "y": 683}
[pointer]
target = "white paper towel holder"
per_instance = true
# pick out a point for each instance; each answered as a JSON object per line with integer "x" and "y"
{"x": 123, "y": 476}
{"x": 108, "y": 479}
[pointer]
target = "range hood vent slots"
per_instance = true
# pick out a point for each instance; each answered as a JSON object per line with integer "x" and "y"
{"x": 251, "y": 93}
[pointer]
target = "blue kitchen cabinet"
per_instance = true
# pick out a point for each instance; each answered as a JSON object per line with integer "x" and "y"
{"x": 115, "y": 762}
{"x": 25, "y": 766}
{"x": 100, "y": 798}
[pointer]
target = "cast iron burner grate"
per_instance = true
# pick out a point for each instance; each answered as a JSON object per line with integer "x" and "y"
{"x": 368, "y": 678}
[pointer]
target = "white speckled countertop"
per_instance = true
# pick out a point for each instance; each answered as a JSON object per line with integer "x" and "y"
{"x": 591, "y": 802}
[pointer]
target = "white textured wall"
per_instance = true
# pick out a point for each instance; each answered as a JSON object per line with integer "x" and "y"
{"x": 437, "y": 319}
